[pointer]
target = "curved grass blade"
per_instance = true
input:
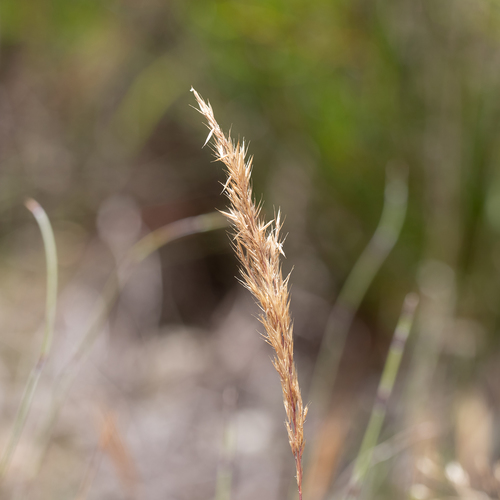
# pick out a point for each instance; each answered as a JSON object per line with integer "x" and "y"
{"x": 50, "y": 316}
{"x": 356, "y": 286}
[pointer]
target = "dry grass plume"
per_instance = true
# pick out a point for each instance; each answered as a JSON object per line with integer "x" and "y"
{"x": 258, "y": 246}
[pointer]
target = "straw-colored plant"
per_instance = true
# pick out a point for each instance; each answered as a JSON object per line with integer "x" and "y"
{"x": 258, "y": 246}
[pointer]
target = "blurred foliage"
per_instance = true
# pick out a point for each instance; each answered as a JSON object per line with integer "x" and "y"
{"x": 338, "y": 89}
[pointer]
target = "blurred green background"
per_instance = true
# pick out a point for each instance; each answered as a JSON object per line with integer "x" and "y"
{"x": 95, "y": 101}
{"x": 94, "y": 105}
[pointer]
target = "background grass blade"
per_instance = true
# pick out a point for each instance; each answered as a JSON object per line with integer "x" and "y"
{"x": 50, "y": 316}
{"x": 386, "y": 385}
{"x": 356, "y": 286}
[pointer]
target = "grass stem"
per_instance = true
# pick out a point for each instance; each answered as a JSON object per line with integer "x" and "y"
{"x": 356, "y": 286}
{"x": 50, "y": 316}
{"x": 386, "y": 385}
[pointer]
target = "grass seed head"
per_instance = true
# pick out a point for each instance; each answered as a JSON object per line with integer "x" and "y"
{"x": 258, "y": 246}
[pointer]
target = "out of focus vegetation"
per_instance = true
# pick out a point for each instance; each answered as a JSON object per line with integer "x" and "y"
{"x": 95, "y": 124}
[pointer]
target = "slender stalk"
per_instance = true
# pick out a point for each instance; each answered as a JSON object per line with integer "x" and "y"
{"x": 386, "y": 385}
{"x": 357, "y": 284}
{"x": 50, "y": 316}
{"x": 258, "y": 246}
{"x": 392, "y": 447}
{"x": 225, "y": 467}
{"x": 224, "y": 472}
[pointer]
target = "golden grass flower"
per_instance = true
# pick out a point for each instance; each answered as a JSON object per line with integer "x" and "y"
{"x": 258, "y": 246}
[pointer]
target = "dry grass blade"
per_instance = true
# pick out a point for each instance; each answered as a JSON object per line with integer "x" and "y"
{"x": 258, "y": 246}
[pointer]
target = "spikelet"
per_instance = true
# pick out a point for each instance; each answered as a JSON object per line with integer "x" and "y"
{"x": 258, "y": 247}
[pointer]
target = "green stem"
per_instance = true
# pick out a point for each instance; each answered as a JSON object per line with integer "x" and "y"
{"x": 356, "y": 286}
{"x": 225, "y": 467}
{"x": 386, "y": 385}
{"x": 50, "y": 316}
